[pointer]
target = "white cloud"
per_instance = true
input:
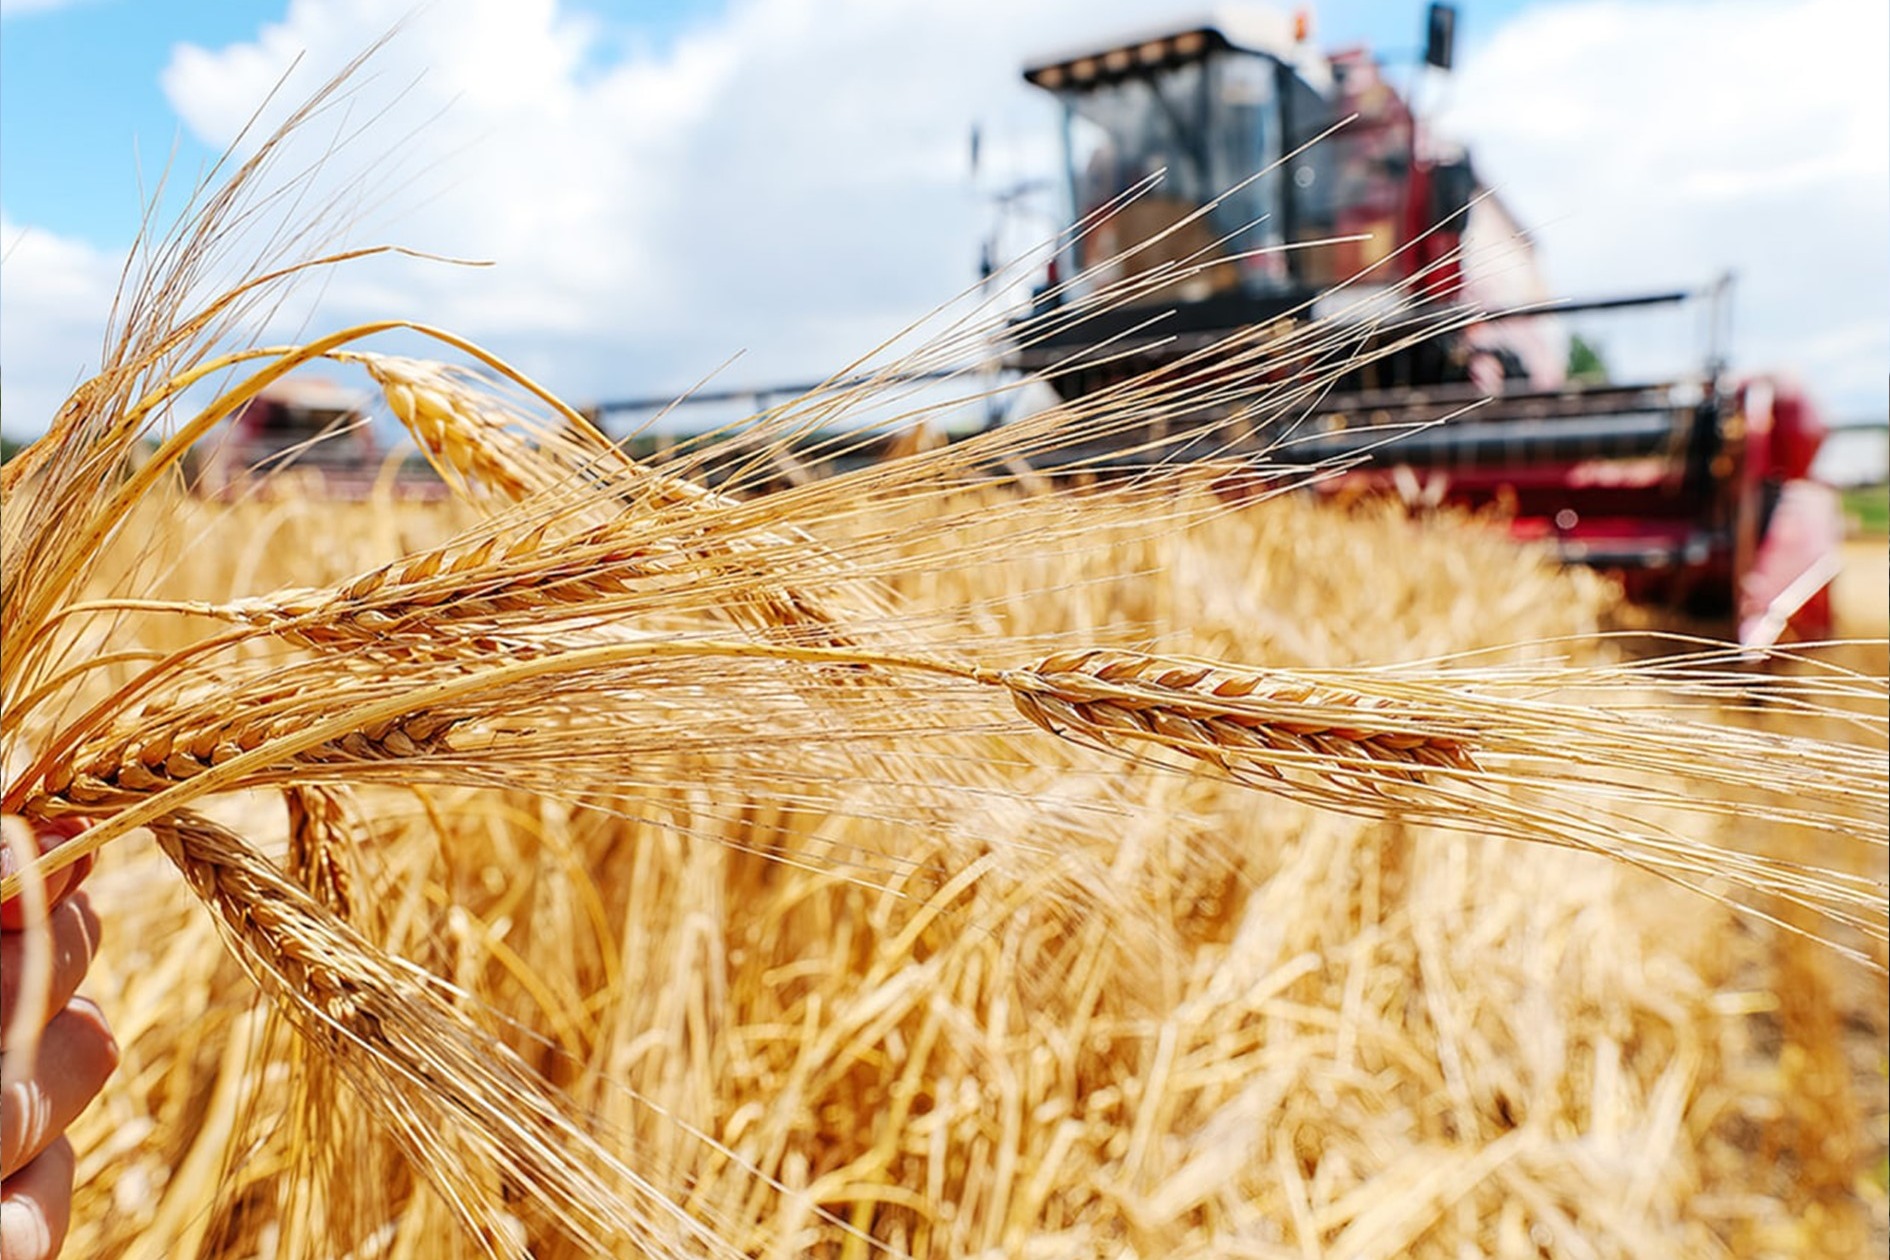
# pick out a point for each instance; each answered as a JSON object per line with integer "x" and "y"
{"x": 790, "y": 180}
{"x": 780, "y": 183}
{"x": 1655, "y": 145}
{"x": 790, "y": 183}
{"x": 67, "y": 287}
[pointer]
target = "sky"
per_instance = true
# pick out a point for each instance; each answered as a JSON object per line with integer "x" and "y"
{"x": 664, "y": 185}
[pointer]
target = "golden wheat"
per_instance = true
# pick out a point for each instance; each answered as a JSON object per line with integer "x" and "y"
{"x": 1183, "y": 909}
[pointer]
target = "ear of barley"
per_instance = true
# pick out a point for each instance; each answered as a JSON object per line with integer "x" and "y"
{"x": 466, "y": 440}
{"x": 328, "y": 1123}
{"x": 318, "y": 859}
{"x": 1375, "y": 745}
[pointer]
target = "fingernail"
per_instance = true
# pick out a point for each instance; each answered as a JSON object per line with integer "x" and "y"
{"x": 14, "y": 834}
{"x": 25, "y": 1223}
{"x": 47, "y": 834}
{"x": 54, "y": 832}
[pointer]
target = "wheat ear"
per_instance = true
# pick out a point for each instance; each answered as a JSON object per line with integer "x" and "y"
{"x": 1444, "y": 755}
{"x": 467, "y": 1112}
{"x": 1372, "y": 743}
{"x": 471, "y": 436}
{"x": 1243, "y": 722}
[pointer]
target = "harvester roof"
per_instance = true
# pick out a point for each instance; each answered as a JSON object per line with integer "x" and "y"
{"x": 314, "y": 393}
{"x": 1236, "y": 28}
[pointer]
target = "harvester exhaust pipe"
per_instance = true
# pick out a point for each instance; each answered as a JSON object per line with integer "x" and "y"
{"x": 1440, "y": 38}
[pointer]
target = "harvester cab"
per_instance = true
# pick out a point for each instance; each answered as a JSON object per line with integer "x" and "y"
{"x": 1311, "y": 189}
{"x": 1304, "y": 176}
{"x": 315, "y": 425}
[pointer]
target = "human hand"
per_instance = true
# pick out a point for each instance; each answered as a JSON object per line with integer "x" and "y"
{"x": 55, "y": 1050}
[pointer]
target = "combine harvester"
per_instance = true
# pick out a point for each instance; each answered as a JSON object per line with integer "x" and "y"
{"x": 1695, "y": 489}
{"x": 306, "y": 435}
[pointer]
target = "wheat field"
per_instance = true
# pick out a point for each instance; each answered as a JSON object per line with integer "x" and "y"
{"x": 920, "y": 862}
{"x": 1113, "y": 1010}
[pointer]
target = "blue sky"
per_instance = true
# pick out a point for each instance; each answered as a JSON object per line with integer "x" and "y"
{"x": 79, "y": 97}
{"x": 664, "y": 185}
{"x": 82, "y": 78}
